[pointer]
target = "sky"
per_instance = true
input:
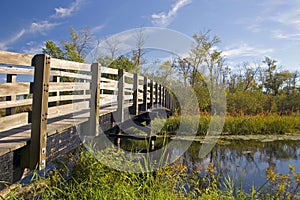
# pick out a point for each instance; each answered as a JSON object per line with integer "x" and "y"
{"x": 249, "y": 30}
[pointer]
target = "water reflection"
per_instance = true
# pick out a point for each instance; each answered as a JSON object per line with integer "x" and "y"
{"x": 246, "y": 160}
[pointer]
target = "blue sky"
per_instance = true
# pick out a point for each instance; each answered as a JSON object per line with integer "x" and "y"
{"x": 249, "y": 29}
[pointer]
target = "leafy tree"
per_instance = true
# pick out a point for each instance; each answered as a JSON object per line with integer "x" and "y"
{"x": 74, "y": 50}
{"x": 53, "y": 50}
{"x": 274, "y": 79}
{"x": 123, "y": 62}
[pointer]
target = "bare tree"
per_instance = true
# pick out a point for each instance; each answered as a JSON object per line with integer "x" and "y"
{"x": 139, "y": 52}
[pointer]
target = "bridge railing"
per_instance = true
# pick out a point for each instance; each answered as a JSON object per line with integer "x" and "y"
{"x": 42, "y": 96}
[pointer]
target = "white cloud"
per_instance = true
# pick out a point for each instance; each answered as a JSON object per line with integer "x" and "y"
{"x": 35, "y": 27}
{"x": 66, "y": 12}
{"x": 14, "y": 38}
{"x": 286, "y": 36}
{"x": 164, "y": 19}
{"x": 41, "y": 27}
{"x": 244, "y": 50}
{"x": 97, "y": 28}
{"x": 33, "y": 47}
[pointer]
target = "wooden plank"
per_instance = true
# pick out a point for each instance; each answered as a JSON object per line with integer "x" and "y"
{"x": 109, "y": 86}
{"x": 69, "y": 65}
{"x": 141, "y": 78}
{"x": 128, "y": 86}
{"x": 9, "y": 89}
{"x": 70, "y": 74}
{"x": 13, "y": 121}
{"x": 128, "y": 91}
{"x": 95, "y": 100}
{"x": 103, "y": 79}
{"x": 39, "y": 112}
{"x": 15, "y": 70}
{"x": 17, "y": 103}
{"x": 68, "y": 86}
{"x": 63, "y": 124}
{"x": 66, "y": 109}
{"x": 11, "y": 58}
{"x": 107, "y": 70}
{"x": 128, "y": 75}
{"x": 67, "y": 97}
{"x": 128, "y": 97}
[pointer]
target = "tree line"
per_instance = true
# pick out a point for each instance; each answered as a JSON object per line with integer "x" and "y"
{"x": 262, "y": 87}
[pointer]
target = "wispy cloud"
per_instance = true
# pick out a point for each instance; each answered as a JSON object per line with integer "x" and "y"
{"x": 61, "y": 12}
{"x": 280, "y": 18}
{"x": 97, "y": 28}
{"x": 14, "y": 38}
{"x": 244, "y": 50}
{"x": 35, "y": 27}
{"x": 286, "y": 36}
{"x": 33, "y": 47}
{"x": 164, "y": 19}
{"x": 41, "y": 27}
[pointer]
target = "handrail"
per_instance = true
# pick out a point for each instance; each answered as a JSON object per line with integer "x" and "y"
{"x": 55, "y": 84}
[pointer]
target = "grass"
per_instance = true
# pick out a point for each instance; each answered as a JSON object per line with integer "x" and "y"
{"x": 90, "y": 179}
{"x": 241, "y": 125}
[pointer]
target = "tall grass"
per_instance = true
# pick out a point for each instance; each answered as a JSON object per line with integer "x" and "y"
{"x": 90, "y": 179}
{"x": 241, "y": 125}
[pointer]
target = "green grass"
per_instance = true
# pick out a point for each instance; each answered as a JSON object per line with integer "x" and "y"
{"x": 241, "y": 125}
{"x": 90, "y": 179}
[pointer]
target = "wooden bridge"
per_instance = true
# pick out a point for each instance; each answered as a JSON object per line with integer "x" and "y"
{"x": 43, "y": 100}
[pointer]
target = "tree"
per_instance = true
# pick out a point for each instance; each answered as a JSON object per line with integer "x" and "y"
{"x": 123, "y": 62}
{"x": 205, "y": 56}
{"x": 274, "y": 79}
{"x": 75, "y": 49}
{"x": 53, "y": 50}
{"x": 139, "y": 52}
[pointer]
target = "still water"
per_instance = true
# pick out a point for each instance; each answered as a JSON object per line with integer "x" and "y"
{"x": 245, "y": 160}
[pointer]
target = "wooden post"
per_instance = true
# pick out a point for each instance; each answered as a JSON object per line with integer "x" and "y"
{"x": 120, "y": 98}
{"x": 160, "y": 94}
{"x": 156, "y": 94}
{"x": 39, "y": 111}
{"x": 151, "y": 93}
{"x": 145, "y": 92}
{"x": 167, "y": 99}
{"x": 135, "y": 94}
{"x": 163, "y": 97}
{"x": 11, "y": 78}
{"x": 95, "y": 99}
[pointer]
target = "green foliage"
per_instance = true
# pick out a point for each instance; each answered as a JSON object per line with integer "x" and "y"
{"x": 90, "y": 179}
{"x": 241, "y": 125}
{"x": 124, "y": 63}
{"x": 74, "y": 49}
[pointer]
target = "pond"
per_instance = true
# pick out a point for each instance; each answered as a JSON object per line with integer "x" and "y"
{"x": 245, "y": 160}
